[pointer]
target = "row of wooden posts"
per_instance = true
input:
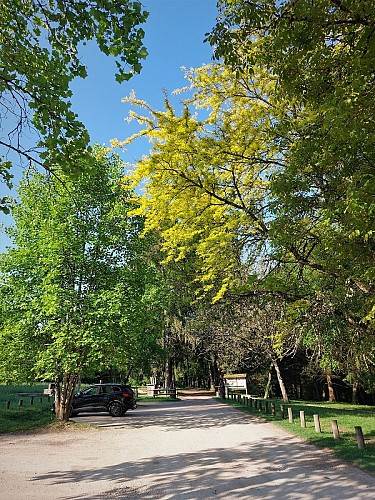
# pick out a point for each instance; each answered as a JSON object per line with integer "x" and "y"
{"x": 31, "y": 400}
{"x": 270, "y": 407}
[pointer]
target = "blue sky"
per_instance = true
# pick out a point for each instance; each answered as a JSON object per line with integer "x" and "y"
{"x": 175, "y": 32}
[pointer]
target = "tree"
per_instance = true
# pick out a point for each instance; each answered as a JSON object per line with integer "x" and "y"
{"x": 39, "y": 43}
{"x": 321, "y": 55}
{"x": 75, "y": 293}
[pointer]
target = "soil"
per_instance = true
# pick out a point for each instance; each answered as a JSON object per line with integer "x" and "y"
{"x": 196, "y": 448}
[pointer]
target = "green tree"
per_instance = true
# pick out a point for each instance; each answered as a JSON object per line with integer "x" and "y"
{"x": 39, "y": 54}
{"x": 321, "y": 55}
{"x": 75, "y": 292}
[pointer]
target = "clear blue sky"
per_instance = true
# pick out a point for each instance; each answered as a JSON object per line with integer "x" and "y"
{"x": 175, "y": 31}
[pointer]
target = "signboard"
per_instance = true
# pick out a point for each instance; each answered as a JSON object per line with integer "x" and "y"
{"x": 235, "y": 382}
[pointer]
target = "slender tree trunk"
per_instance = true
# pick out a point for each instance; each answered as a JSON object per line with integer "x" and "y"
{"x": 168, "y": 372}
{"x": 214, "y": 374}
{"x": 355, "y": 388}
{"x": 331, "y": 392}
{"x": 280, "y": 380}
{"x": 268, "y": 384}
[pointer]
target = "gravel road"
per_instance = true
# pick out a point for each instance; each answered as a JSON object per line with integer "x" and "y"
{"x": 197, "y": 448}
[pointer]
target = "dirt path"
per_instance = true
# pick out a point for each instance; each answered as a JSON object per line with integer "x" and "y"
{"x": 193, "y": 449}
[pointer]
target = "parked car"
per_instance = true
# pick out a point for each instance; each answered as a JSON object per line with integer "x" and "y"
{"x": 116, "y": 399}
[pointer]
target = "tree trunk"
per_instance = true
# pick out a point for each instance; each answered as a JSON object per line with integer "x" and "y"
{"x": 355, "y": 388}
{"x": 214, "y": 374}
{"x": 280, "y": 380}
{"x": 331, "y": 392}
{"x": 64, "y": 393}
{"x": 268, "y": 384}
{"x": 168, "y": 373}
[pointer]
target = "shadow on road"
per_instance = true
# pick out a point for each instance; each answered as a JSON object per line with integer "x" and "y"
{"x": 264, "y": 470}
{"x": 185, "y": 414}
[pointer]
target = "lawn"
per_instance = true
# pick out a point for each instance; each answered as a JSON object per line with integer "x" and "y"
{"x": 34, "y": 413}
{"x": 347, "y": 416}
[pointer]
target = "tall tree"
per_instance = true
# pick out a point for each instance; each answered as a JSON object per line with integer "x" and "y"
{"x": 39, "y": 54}
{"x": 74, "y": 290}
{"x": 321, "y": 55}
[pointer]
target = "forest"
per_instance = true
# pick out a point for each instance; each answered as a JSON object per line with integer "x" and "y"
{"x": 243, "y": 242}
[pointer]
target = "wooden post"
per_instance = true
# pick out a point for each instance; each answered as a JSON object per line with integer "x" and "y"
{"x": 335, "y": 430}
{"x": 251, "y": 402}
{"x": 20, "y": 402}
{"x": 32, "y": 400}
{"x": 282, "y": 411}
{"x": 256, "y": 403}
{"x": 260, "y": 407}
{"x": 7, "y": 405}
{"x": 266, "y": 407}
{"x": 317, "y": 423}
{"x": 302, "y": 417}
{"x": 359, "y": 437}
{"x": 273, "y": 409}
{"x": 41, "y": 400}
{"x": 290, "y": 415}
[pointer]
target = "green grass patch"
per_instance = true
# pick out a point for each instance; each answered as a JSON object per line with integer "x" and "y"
{"x": 29, "y": 416}
{"x": 347, "y": 416}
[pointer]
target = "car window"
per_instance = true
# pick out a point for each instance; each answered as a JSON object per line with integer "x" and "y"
{"x": 103, "y": 390}
{"x": 89, "y": 391}
{"x": 116, "y": 388}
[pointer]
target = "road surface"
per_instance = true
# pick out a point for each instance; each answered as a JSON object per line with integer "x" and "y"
{"x": 197, "y": 448}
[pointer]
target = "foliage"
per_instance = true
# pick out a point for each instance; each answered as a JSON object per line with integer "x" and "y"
{"x": 321, "y": 54}
{"x": 270, "y": 194}
{"x": 39, "y": 44}
{"x": 74, "y": 288}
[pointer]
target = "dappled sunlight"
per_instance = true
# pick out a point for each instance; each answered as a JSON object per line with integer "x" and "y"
{"x": 252, "y": 470}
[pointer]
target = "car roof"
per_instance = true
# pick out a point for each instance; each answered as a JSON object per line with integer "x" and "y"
{"x": 109, "y": 384}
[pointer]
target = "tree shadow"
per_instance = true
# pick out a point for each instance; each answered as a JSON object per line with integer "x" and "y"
{"x": 263, "y": 469}
{"x": 172, "y": 416}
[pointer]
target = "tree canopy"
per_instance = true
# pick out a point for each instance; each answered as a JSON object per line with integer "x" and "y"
{"x": 75, "y": 295}
{"x": 39, "y": 54}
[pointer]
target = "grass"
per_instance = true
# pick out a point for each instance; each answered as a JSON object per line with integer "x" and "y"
{"x": 347, "y": 416}
{"x": 28, "y": 416}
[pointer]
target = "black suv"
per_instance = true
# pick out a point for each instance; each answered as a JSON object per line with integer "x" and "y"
{"x": 117, "y": 399}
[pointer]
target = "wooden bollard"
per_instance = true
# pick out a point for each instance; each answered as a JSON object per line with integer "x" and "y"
{"x": 266, "y": 407}
{"x": 7, "y": 405}
{"x": 359, "y": 437}
{"x": 251, "y": 402}
{"x": 302, "y": 417}
{"x": 281, "y": 411}
{"x": 20, "y": 402}
{"x": 317, "y": 423}
{"x": 260, "y": 405}
{"x": 41, "y": 400}
{"x": 335, "y": 430}
{"x": 273, "y": 409}
{"x": 290, "y": 415}
{"x": 32, "y": 400}
{"x": 256, "y": 403}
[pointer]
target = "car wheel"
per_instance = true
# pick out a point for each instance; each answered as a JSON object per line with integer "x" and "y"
{"x": 115, "y": 410}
